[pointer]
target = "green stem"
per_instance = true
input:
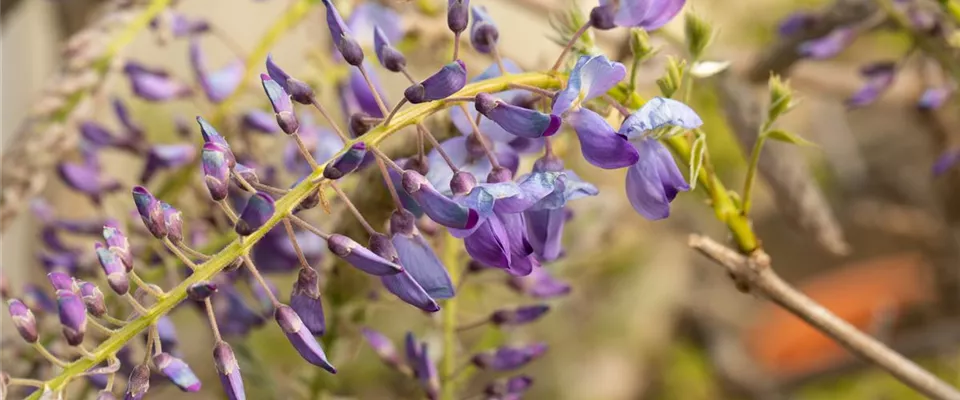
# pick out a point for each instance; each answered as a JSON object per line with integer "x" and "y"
{"x": 752, "y": 172}
{"x": 410, "y": 116}
{"x": 450, "y": 254}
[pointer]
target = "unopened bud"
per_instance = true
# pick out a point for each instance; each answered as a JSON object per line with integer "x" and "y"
{"x": 698, "y": 34}
{"x": 640, "y": 44}
{"x": 781, "y": 98}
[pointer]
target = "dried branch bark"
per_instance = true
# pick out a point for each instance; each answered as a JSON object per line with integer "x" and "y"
{"x": 754, "y": 273}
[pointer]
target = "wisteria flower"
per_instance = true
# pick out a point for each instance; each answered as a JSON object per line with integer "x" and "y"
{"x": 590, "y": 78}
{"x": 878, "y": 77}
{"x": 491, "y": 129}
{"x": 468, "y": 157}
{"x": 647, "y": 14}
{"x": 217, "y": 84}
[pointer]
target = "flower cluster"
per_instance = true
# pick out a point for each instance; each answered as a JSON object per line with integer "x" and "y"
{"x": 470, "y": 185}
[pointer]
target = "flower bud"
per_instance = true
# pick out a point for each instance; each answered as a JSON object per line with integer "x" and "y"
{"x": 177, "y": 371}
{"x": 698, "y": 34}
{"x": 512, "y": 386}
{"x": 288, "y": 122}
{"x": 483, "y": 33}
{"x": 173, "y": 221}
{"x": 462, "y": 182}
{"x": 118, "y": 244}
{"x": 259, "y": 209}
{"x": 389, "y": 57}
{"x": 73, "y": 316}
{"x": 23, "y": 320}
{"x": 671, "y": 82}
{"x": 523, "y": 122}
{"x": 210, "y": 135}
{"x": 346, "y": 163}
{"x": 640, "y": 44}
{"x": 445, "y": 82}
{"x": 229, "y": 371}
{"x": 361, "y": 257}
{"x": 248, "y": 174}
{"x": 151, "y": 211}
{"x": 383, "y": 347}
{"x": 138, "y": 383}
{"x": 601, "y": 17}
{"x": 216, "y": 171}
{"x": 201, "y": 290}
{"x": 279, "y": 99}
{"x": 781, "y": 98}
{"x": 509, "y": 358}
{"x": 93, "y": 299}
{"x": 349, "y": 48}
{"x": 520, "y": 315}
{"x": 305, "y": 301}
{"x": 458, "y": 15}
{"x": 438, "y": 207}
{"x": 62, "y": 281}
{"x": 361, "y": 123}
{"x": 301, "y": 339}
{"x": 113, "y": 268}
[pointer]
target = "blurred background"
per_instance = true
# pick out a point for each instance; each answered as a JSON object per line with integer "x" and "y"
{"x": 858, "y": 222}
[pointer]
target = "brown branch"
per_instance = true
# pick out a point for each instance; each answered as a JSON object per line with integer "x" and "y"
{"x": 753, "y": 273}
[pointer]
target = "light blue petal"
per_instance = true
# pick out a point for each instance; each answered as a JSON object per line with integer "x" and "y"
{"x": 659, "y": 112}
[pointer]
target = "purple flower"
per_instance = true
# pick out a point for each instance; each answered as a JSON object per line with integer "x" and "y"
{"x": 62, "y": 281}
{"x": 98, "y": 135}
{"x": 118, "y": 244}
{"x": 599, "y": 143}
{"x": 417, "y": 256}
{"x": 654, "y": 181}
{"x": 113, "y": 268}
{"x": 93, "y": 299}
{"x": 546, "y": 218}
{"x": 173, "y": 221}
{"x": 346, "y": 163}
{"x": 389, "y": 57}
{"x": 445, "y": 82}
{"x": 229, "y": 371}
{"x": 402, "y": 285}
{"x": 37, "y": 299}
{"x": 509, "y": 358}
{"x": 340, "y": 34}
{"x": 468, "y": 155}
{"x": 153, "y": 84}
{"x": 305, "y": 300}
{"x": 539, "y": 284}
{"x": 366, "y": 17}
{"x": 796, "y": 22}
{"x": 657, "y": 113}
{"x": 216, "y": 170}
{"x": 216, "y": 84}
{"x": 210, "y": 135}
{"x": 934, "y": 97}
{"x": 828, "y": 46}
{"x": 418, "y": 357}
{"x": 483, "y": 32}
{"x": 879, "y": 76}
{"x": 260, "y": 121}
{"x": 87, "y": 179}
{"x": 301, "y": 339}
{"x": 361, "y": 257}
{"x": 282, "y": 106}
{"x": 151, "y": 211}
{"x": 23, "y": 320}
{"x": 298, "y": 90}
{"x": 491, "y": 129}
{"x": 177, "y": 371}
{"x": 517, "y": 120}
{"x": 590, "y": 78}
{"x": 647, "y": 14}
{"x": 167, "y": 156}
{"x": 438, "y": 207}
{"x": 360, "y": 93}
{"x": 946, "y": 161}
{"x": 513, "y": 386}
{"x": 383, "y": 347}
{"x": 520, "y": 315}
{"x": 259, "y": 209}
{"x": 458, "y": 15}
{"x": 73, "y": 316}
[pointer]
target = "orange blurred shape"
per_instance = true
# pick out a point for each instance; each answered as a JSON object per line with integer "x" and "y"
{"x": 861, "y": 293}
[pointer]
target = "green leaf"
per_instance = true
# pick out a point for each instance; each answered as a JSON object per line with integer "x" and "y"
{"x": 784, "y": 136}
{"x": 697, "y": 151}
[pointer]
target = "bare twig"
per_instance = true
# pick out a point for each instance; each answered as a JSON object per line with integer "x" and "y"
{"x": 753, "y": 273}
